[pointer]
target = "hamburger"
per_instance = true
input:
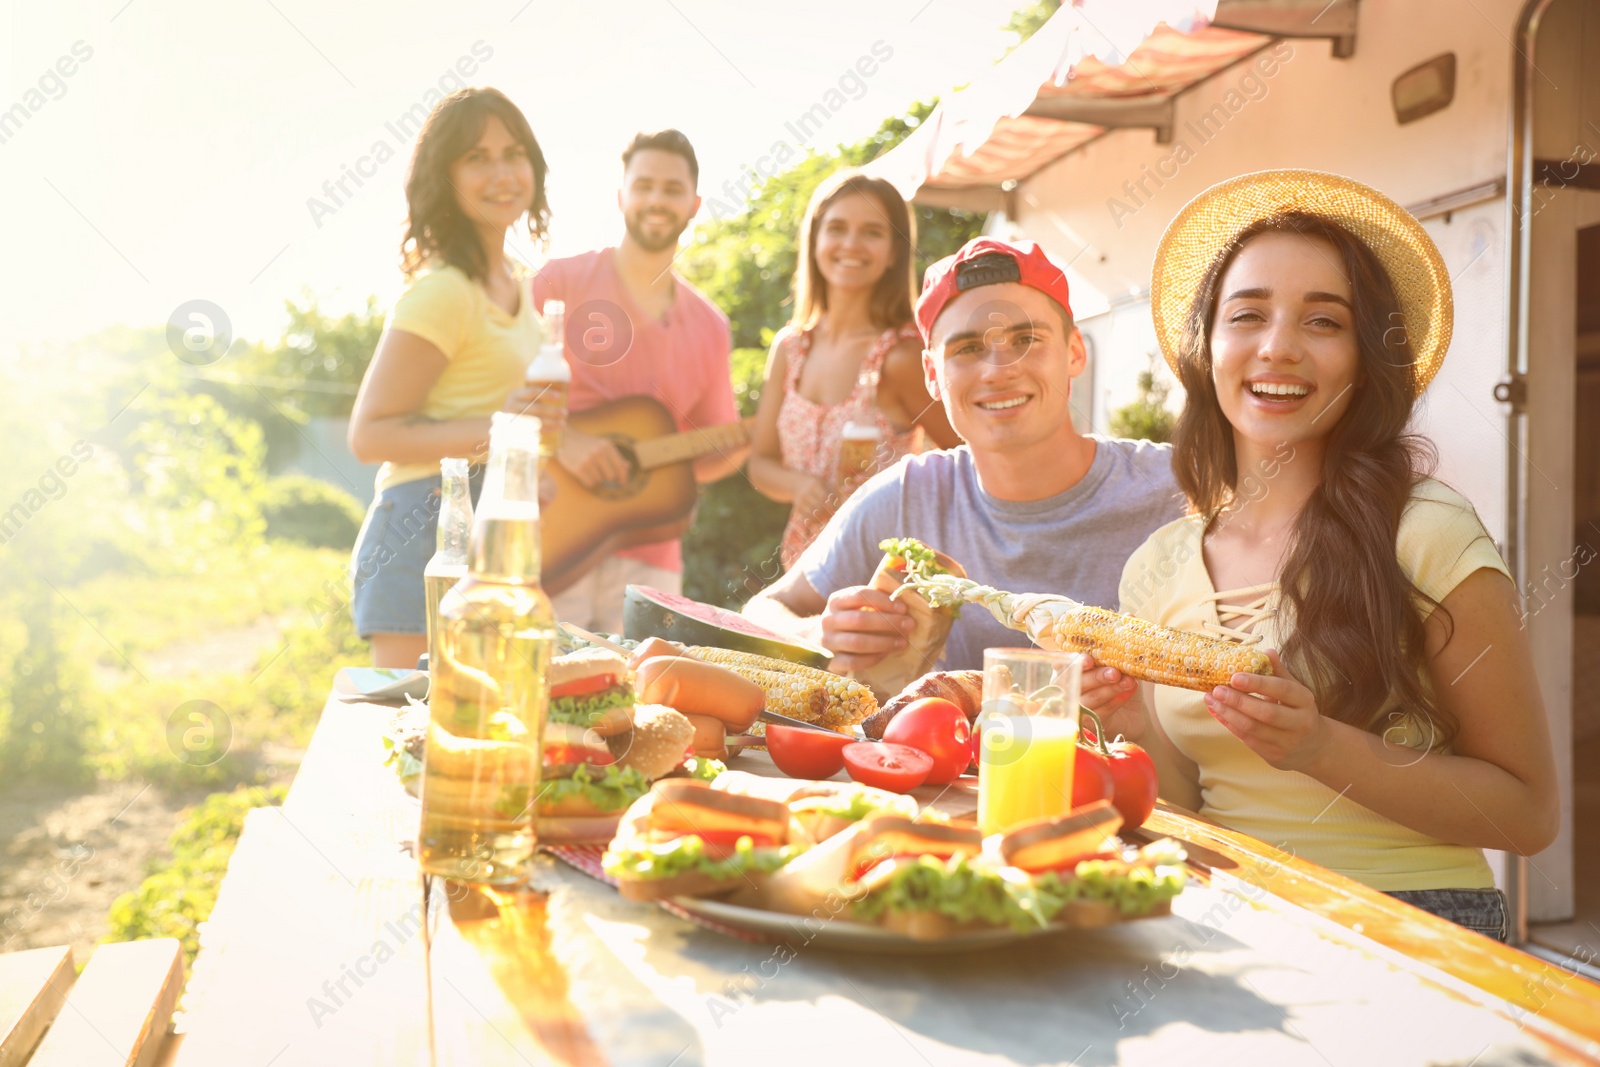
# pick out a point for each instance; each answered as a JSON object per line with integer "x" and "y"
{"x": 591, "y": 699}
{"x": 686, "y": 839}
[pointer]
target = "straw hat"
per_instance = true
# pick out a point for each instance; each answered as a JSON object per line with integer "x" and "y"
{"x": 1214, "y": 218}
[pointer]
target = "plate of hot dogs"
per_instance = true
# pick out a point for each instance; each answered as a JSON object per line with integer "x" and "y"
{"x": 844, "y": 866}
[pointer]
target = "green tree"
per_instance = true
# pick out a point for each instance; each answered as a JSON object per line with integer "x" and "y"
{"x": 197, "y": 470}
{"x": 318, "y": 362}
{"x": 746, "y": 263}
{"x": 1147, "y": 416}
{"x": 1026, "y": 20}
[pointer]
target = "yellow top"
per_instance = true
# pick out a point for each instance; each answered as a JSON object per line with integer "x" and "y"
{"x": 1440, "y": 542}
{"x": 488, "y": 351}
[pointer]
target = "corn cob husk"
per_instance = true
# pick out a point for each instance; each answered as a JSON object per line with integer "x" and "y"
{"x": 798, "y": 691}
{"x": 1137, "y": 648}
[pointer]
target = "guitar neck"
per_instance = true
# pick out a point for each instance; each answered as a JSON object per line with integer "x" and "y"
{"x": 691, "y": 444}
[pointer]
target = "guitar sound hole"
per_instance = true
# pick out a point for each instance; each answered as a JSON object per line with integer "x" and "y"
{"x": 633, "y": 483}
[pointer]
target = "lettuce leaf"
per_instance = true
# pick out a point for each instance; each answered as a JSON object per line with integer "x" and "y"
{"x": 856, "y": 804}
{"x": 912, "y": 551}
{"x": 704, "y": 768}
{"x": 959, "y": 891}
{"x": 683, "y": 855}
{"x": 589, "y": 709}
{"x": 609, "y": 788}
{"x": 967, "y": 893}
{"x": 400, "y": 758}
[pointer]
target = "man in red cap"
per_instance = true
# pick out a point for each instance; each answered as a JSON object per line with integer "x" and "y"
{"x": 1027, "y": 504}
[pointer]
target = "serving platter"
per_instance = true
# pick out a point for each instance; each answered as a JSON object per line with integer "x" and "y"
{"x": 845, "y": 935}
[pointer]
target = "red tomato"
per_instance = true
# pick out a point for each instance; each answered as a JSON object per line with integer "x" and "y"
{"x": 583, "y": 686}
{"x": 882, "y": 765}
{"x": 806, "y": 753}
{"x": 1091, "y": 778}
{"x": 555, "y": 755}
{"x": 938, "y": 728}
{"x": 1133, "y": 773}
{"x": 728, "y": 839}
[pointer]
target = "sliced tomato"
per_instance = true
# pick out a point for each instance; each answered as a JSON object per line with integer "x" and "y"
{"x": 731, "y": 837}
{"x": 554, "y": 755}
{"x": 883, "y": 765}
{"x": 583, "y": 686}
{"x": 806, "y": 753}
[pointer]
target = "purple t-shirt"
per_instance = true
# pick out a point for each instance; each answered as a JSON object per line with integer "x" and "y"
{"x": 1074, "y": 543}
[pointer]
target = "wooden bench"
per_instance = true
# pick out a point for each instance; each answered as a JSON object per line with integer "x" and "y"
{"x": 118, "y": 1012}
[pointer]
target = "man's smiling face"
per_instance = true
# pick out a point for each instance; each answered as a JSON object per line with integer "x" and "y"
{"x": 1002, "y": 358}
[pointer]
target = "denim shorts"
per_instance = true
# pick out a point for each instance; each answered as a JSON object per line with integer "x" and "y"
{"x": 1482, "y": 911}
{"x": 395, "y": 544}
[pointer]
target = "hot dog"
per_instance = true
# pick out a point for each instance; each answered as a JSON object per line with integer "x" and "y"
{"x": 710, "y": 736}
{"x": 698, "y": 688}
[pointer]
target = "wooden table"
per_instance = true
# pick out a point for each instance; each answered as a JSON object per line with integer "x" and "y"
{"x": 319, "y": 952}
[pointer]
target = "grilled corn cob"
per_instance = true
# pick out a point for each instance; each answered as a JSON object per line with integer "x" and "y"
{"x": 798, "y": 691}
{"x": 1133, "y": 646}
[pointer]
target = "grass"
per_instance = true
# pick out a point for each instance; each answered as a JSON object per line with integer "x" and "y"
{"x": 178, "y": 894}
{"x": 207, "y": 728}
{"x": 145, "y": 613}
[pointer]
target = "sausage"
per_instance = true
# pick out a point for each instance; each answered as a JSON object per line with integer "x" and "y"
{"x": 964, "y": 689}
{"x": 695, "y": 687}
{"x": 710, "y": 735}
{"x": 651, "y": 647}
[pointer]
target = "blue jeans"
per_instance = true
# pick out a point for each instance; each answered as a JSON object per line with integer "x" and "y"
{"x": 1482, "y": 911}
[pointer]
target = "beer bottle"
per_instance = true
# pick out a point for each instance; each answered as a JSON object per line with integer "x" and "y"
{"x": 490, "y": 690}
{"x": 449, "y": 563}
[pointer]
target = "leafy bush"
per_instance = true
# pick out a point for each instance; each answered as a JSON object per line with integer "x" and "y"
{"x": 179, "y": 893}
{"x": 312, "y": 512}
{"x": 731, "y": 551}
{"x": 197, "y": 470}
{"x": 1147, "y": 417}
{"x": 43, "y": 718}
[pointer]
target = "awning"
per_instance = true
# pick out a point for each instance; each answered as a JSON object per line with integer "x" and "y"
{"x": 1095, "y": 65}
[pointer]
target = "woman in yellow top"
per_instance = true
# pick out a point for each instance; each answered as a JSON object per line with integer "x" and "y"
{"x": 1402, "y": 731}
{"x": 454, "y": 351}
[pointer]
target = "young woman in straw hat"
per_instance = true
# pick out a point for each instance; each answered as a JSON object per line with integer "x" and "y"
{"x": 1401, "y": 732}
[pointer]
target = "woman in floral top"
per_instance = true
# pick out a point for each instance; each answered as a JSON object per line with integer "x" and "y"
{"x": 850, "y": 355}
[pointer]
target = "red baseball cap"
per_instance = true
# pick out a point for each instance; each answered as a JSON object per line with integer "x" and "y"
{"x": 986, "y": 261}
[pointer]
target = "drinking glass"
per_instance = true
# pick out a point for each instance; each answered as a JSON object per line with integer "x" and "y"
{"x": 1028, "y": 735}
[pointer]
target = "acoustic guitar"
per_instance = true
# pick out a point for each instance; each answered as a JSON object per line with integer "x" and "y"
{"x": 656, "y": 502}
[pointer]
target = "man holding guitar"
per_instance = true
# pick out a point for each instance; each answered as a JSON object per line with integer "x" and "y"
{"x": 634, "y": 329}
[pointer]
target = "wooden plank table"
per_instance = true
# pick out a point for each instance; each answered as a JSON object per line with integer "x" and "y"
{"x": 321, "y": 951}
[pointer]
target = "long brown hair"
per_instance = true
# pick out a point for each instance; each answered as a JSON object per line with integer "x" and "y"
{"x": 436, "y": 227}
{"x": 895, "y": 294}
{"x": 1357, "y": 635}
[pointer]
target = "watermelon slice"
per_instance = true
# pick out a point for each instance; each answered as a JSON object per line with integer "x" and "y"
{"x": 648, "y": 612}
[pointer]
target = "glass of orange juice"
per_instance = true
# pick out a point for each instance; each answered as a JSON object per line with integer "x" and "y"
{"x": 1029, "y": 730}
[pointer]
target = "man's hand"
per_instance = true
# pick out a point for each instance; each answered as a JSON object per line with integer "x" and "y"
{"x": 861, "y": 625}
{"x": 591, "y": 460}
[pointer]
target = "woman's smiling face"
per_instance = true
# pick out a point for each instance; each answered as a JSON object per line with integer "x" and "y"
{"x": 1284, "y": 353}
{"x": 493, "y": 181}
